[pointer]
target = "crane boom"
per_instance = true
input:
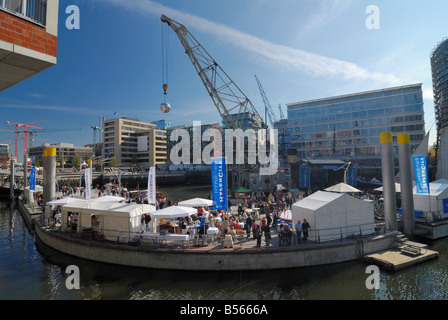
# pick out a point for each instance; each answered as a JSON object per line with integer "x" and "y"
{"x": 267, "y": 105}
{"x": 226, "y": 95}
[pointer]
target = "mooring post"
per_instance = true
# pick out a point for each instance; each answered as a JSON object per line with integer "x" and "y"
{"x": 388, "y": 172}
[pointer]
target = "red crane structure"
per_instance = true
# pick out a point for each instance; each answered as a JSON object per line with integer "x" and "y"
{"x": 25, "y": 127}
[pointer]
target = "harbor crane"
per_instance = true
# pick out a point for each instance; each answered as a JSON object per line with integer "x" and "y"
{"x": 268, "y": 109}
{"x": 232, "y": 104}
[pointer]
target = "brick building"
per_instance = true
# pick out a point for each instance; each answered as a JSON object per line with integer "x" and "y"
{"x": 28, "y": 39}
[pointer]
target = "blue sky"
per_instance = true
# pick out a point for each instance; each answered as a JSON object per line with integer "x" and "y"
{"x": 299, "y": 49}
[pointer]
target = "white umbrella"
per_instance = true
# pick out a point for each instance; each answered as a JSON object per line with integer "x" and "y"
{"x": 173, "y": 212}
{"x": 196, "y": 202}
{"x": 342, "y": 187}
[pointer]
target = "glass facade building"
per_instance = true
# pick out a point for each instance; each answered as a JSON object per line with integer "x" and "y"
{"x": 439, "y": 69}
{"x": 347, "y": 127}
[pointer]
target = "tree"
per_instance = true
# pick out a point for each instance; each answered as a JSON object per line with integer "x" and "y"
{"x": 76, "y": 161}
{"x": 4, "y": 161}
{"x": 114, "y": 162}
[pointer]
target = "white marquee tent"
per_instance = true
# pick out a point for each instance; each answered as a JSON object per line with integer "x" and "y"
{"x": 332, "y": 214}
{"x": 196, "y": 202}
{"x": 114, "y": 218}
{"x": 435, "y": 201}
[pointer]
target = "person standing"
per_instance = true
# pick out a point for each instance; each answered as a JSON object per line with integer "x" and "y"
{"x": 305, "y": 227}
{"x": 267, "y": 235}
{"x": 258, "y": 232}
{"x": 248, "y": 225}
{"x": 298, "y": 227}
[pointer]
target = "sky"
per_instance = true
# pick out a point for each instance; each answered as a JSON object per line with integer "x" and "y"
{"x": 114, "y": 65}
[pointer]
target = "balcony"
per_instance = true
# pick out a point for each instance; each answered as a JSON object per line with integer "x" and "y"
{"x": 28, "y": 39}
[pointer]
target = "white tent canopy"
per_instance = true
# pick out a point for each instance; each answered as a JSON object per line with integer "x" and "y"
{"x": 342, "y": 187}
{"x": 286, "y": 215}
{"x": 63, "y": 201}
{"x": 108, "y": 198}
{"x": 114, "y": 217}
{"x": 196, "y": 202}
{"x": 333, "y": 214}
{"x": 173, "y": 212}
{"x": 434, "y": 201}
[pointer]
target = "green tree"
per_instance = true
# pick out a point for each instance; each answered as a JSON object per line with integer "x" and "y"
{"x": 114, "y": 162}
{"x": 76, "y": 161}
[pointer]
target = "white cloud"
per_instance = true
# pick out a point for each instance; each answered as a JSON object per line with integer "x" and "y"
{"x": 291, "y": 58}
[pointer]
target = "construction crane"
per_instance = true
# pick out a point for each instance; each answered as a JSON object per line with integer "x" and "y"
{"x": 94, "y": 128}
{"x": 25, "y": 127}
{"x": 282, "y": 116}
{"x": 32, "y": 133}
{"x": 267, "y": 106}
{"x": 232, "y": 104}
{"x": 17, "y": 132}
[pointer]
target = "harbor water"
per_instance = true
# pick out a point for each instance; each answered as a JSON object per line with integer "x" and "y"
{"x": 29, "y": 270}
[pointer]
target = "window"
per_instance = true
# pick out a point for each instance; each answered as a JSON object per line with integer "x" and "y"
{"x": 35, "y": 10}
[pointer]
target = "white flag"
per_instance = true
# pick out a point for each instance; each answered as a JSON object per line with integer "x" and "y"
{"x": 152, "y": 185}
{"x": 88, "y": 180}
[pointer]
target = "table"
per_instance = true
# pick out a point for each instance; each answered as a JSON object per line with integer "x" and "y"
{"x": 212, "y": 231}
{"x": 163, "y": 238}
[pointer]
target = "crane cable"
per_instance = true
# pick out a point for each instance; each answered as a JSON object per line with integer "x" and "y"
{"x": 164, "y": 60}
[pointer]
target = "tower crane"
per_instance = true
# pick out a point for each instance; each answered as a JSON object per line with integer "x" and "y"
{"x": 94, "y": 128}
{"x": 25, "y": 127}
{"x": 282, "y": 116}
{"x": 33, "y": 133}
{"x": 226, "y": 95}
{"x": 268, "y": 109}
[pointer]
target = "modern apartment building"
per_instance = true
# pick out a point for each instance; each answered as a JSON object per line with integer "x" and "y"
{"x": 28, "y": 39}
{"x": 347, "y": 127}
{"x": 134, "y": 142}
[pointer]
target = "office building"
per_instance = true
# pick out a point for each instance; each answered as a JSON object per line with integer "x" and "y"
{"x": 28, "y": 39}
{"x": 134, "y": 142}
{"x": 439, "y": 68}
{"x": 4, "y": 148}
{"x": 347, "y": 127}
{"x": 65, "y": 153}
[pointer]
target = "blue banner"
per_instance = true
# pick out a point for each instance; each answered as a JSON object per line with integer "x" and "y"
{"x": 445, "y": 205}
{"x": 421, "y": 174}
{"x": 351, "y": 175}
{"x": 304, "y": 177}
{"x": 219, "y": 183}
{"x": 33, "y": 178}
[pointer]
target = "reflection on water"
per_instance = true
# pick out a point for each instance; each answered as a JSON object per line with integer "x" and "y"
{"x": 31, "y": 270}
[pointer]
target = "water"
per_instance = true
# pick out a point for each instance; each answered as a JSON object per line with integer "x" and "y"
{"x": 31, "y": 271}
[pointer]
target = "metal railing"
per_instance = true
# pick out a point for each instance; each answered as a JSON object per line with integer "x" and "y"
{"x": 34, "y": 10}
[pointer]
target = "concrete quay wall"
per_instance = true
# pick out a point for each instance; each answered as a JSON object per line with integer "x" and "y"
{"x": 216, "y": 259}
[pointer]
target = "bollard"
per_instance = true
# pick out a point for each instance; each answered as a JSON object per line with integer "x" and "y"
{"x": 388, "y": 173}
{"x": 407, "y": 197}
{"x": 49, "y": 183}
